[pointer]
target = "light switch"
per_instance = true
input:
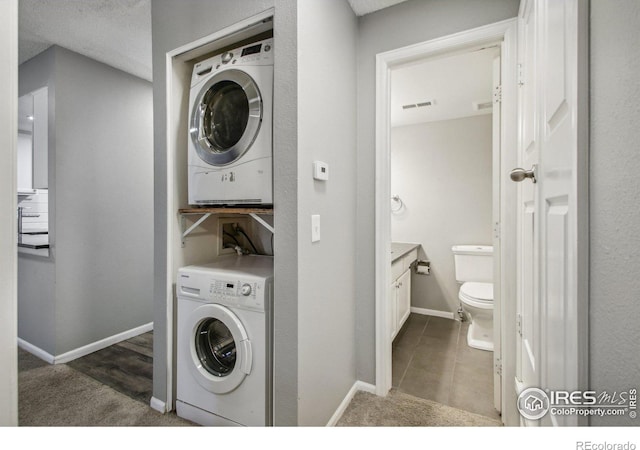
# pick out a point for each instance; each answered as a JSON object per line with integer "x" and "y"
{"x": 320, "y": 170}
{"x": 315, "y": 228}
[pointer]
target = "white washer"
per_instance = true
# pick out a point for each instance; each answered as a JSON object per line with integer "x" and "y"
{"x": 230, "y": 145}
{"x": 224, "y": 375}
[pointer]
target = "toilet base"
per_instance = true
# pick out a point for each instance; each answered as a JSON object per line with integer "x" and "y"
{"x": 479, "y": 338}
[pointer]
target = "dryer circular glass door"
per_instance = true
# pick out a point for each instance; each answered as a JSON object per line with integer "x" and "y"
{"x": 226, "y": 117}
{"x": 220, "y": 348}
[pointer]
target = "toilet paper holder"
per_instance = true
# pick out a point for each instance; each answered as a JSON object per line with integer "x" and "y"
{"x": 422, "y": 267}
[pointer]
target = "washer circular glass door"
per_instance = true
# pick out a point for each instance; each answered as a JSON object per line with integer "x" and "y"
{"x": 215, "y": 347}
{"x": 220, "y": 348}
{"x": 226, "y": 117}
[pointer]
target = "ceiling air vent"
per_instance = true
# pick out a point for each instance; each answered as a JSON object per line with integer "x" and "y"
{"x": 478, "y": 106}
{"x": 419, "y": 105}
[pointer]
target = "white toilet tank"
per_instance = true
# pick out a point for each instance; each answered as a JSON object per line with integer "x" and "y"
{"x": 473, "y": 263}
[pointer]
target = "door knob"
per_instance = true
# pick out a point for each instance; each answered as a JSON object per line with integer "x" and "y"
{"x": 519, "y": 174}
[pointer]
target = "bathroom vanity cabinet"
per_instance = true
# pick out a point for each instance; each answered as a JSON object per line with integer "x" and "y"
{"x": 402, "y": 259}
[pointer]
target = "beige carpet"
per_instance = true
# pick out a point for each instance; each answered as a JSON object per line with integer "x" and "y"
{"x": 57, "y": 395}
{"x": 401, "y": 410}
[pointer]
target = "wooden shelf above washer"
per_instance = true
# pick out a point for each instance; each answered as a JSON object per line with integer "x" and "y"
{"x": 227, "y": 210}
{"x": 207, "y": 212}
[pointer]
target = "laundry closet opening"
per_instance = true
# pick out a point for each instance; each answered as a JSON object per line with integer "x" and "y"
{"x": 219, "y": 282}
{"x": 443, "y": 116}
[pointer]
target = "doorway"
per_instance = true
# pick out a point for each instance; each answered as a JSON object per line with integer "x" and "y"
{"x": 394, "y": 219}
{"x": 441, "y": 154}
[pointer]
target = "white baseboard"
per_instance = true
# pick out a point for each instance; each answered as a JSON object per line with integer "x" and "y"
{"x": 366, "y": 387}
{"x": 36, "y": 351}
{"x": 357, "y": 386}
{"x": 85, "y": 350}
{"x": 158, "y": 405}
{"x": 433, "y": 312}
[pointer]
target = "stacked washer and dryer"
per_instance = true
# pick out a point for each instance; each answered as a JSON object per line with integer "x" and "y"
{"x": 224, "y": 320}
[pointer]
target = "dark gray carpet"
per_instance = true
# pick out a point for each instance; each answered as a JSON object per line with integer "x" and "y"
{"x": 401, "y": 410}
{"x": 57, "y": 395}
{"x": 110, "y": 387}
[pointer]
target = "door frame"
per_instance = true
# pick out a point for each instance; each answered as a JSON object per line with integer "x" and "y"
{"x": 8, "y": 205}
{"x": 505, "y": 34}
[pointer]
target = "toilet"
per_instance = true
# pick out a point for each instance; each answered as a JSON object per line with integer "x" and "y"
{"x": 474, "y": 271}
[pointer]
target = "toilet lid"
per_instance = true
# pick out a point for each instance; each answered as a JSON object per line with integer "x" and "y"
{"x": 478, "y": 291}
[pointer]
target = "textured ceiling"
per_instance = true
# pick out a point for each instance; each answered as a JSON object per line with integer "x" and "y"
{"x": 115, "y": 32}
{"x": 362, "y": 7}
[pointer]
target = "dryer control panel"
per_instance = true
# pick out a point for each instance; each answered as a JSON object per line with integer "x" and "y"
{"x": 256, "y": 54}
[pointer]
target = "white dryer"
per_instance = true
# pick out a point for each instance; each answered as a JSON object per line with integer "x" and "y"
{"x": 230, "y": 145}
{"x": 224, "y": 373}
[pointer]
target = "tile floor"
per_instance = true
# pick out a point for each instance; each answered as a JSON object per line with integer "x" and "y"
{"x": 431, "y": 359}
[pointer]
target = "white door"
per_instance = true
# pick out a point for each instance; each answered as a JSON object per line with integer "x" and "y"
{"x": 551, "y": 198}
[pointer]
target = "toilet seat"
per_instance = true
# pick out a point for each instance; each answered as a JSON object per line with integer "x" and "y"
{"x": 479, "y": 295}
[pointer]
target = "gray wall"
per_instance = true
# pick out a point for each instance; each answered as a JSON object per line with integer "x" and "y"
{"x": 101, "y": 217}
{"x": 103, "y": 201}
{"x": 398, "y": 26}
{"x": 326, "y": 272}
{"x": 614, "y": 192}
{"x": 285, "y": 200}
{"x": 442, "y": 172}
{"x": 175, "y": 24}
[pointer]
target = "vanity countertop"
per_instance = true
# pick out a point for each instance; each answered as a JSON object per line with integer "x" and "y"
{"x": 35, "y": 241}
{"x": 399, "y": 249}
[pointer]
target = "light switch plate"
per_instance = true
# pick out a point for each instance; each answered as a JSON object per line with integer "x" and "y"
{"x": 320, "y": 170}
{"x": 315, "y": 228}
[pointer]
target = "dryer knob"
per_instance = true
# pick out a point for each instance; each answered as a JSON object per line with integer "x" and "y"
{"x": 226, "y": 57}
{"x": 246, "y": 289}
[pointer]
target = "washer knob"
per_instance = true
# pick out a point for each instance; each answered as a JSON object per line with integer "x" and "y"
{"x": 246, "y": 289}
{"x": 227, "y": 57}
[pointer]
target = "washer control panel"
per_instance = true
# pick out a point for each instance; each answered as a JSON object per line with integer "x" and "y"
{"x": 245, "y": 293}
{"x": 244, "y": 282}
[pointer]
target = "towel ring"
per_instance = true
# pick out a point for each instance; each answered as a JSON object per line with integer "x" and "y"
{"x": 399, "y": 204}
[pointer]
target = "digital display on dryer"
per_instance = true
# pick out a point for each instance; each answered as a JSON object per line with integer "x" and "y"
{"x": 229, "y": 286}
{"x": 251, "y": 50}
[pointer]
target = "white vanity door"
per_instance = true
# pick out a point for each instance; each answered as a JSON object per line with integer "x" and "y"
{"x": 404, "y": 298}
{"x": 393, "y": 309}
